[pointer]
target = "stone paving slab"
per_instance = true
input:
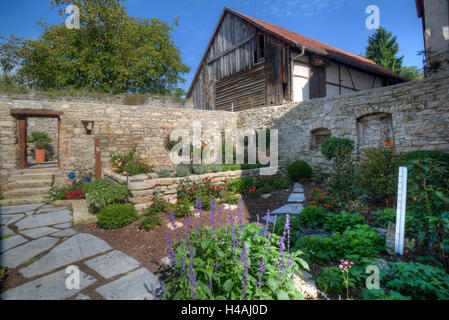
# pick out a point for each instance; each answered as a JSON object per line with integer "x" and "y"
{"x": 14, "y": 257}
{"x": 6, "y": 219}
{"x": 112, "y": 264}
{"x": 49, "y": 209}
{"x": 20, "y": 208}
{"x": 298, "y": 188}
{"x": 63, "y": 225}
{"x": 11, "y": 242}
{"x": 5, "y": 231}
{"x": 82, "y": 297}
{"x": 45, "y": 219}
{"x": 50, "y": 287}
{"x": 39, "y": 232}
{"x": 292, "y": 208}
{"x": 64, "y": 233}
{"x": 78, "y": 247}
{"x": 297, "y": 197}
{"x": 131, "y": 286}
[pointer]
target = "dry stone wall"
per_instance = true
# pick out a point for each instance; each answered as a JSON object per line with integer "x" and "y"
{"x": 416, "y": 112}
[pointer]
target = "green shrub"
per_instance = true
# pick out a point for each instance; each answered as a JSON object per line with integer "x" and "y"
{"x": 100, "y": 198}
{"x": 117, "y": 216}
{"x": 428, "y": 205}
{"x": 97, "y": 184}
{"x": 201, "y": 168}
{"x": 311, "y": 217}
{"x": 339, "y": 222}
{"x": 159, "y": 205}
{"x": 230, "y": 167}
{"x": 299, "y": 169}
{"x": 264, "y": 186}
{"x": 378, "y": 171}
{"x": 150, "y": 221}
{"x": 242, "y": 185}
{"x": 181, "y": 208}
{"x": 164, "y": 173}
{"x": 439, "y": 156}
{"x": 182, "y": 171}
{"x": 379, "y": 294}
{"x": 383, "y": 217}
{"x": 344, "y": 184}
{"x": 420, "y": 281}
{"x": 281, "y": 182}
{"x": 41, "y": 140}
{"x": 330, "y": 146}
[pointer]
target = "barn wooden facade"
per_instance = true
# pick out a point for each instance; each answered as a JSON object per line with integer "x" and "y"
{"x": 249, "y": 63}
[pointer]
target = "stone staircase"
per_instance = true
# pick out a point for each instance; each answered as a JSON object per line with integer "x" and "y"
{"x": 27, "y": 186}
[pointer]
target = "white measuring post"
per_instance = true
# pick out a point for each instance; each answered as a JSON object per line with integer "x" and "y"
{"x": 400, "y": 213}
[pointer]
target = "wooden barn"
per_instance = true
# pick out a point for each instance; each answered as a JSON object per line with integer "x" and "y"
{"x": 249, "y": 63}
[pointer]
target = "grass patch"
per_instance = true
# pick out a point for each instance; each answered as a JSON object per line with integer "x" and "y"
{"x": 5, "y": 236}
{"x": 30, "y": 261}
{"x": 135, "y": 99}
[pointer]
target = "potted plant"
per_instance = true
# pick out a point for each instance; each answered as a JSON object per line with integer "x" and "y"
{"x": 41, "y": 141}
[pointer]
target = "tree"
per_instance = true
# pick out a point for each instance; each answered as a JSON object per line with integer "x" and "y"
{"x": 110, "y": 52}
{"x": 382, "y": 49}
{"x": 411, "y": 73}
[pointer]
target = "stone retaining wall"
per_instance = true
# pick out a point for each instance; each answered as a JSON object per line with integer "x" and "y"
{"x": 142, "y": 186}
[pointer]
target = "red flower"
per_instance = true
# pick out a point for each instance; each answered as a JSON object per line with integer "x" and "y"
{"x": 225, "y": 181}
{"x": 156, "y": 185}
{"x": 191, "y": 190}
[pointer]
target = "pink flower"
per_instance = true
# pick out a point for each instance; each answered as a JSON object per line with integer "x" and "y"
{"x": 340, "y": 266}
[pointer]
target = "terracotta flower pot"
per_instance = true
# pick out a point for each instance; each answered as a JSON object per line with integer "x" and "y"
{"x": 40, "y": 155}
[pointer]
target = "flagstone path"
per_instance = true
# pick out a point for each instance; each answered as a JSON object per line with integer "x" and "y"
{"x": 38, "y": 240}
{"x": 294, "y": 206}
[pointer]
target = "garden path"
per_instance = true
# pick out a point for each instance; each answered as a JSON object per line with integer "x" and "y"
{"x": 294, "y": 206}
{"x": 38, "y": 240}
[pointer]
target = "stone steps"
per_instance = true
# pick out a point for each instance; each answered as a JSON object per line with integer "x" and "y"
{"x": 26, "y": 186}
{"x": 23, "y": 200}
{"x": 19, "y": 192}
{"x": 22, "y": 184}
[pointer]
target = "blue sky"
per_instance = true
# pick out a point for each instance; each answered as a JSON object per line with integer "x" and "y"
{"x": 340, "y": 23}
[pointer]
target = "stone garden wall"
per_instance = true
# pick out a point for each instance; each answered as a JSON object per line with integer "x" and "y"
{"x": 142, "y": 186}
{"x": 119, "y": 128}
{"x": 415, "y": 114}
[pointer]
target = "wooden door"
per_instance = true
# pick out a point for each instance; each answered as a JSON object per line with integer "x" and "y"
{"x": 317, "y": 82}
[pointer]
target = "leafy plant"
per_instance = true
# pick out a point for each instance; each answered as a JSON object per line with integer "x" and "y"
{"x": 319, "y": 197}
{"x": 150, "y": 221}
{"x": 340, "y": 222}
{"x": 311, "y": 217}
{"x": 428, "y": 204}
{"x": 330, "y": 146}
{"x": 234, "y": 262}
{"x": 281, "y": 182}
{"x": 299, "y": 169}
{"x": 420, "y": 281}
{"x": 378, "y": 169}
{"x": 117, "y": 216}
{"x": 379, "y": 294}
{"x": 182, "y": 208}
{"x": 97, "y": 184}
{"x": 100, "y": 198}
{"x": 438, "y": 156}
{"x": 41, "y": 140}
{"x": 360, "y": 240}
{"x": 3, "y": 274}
{"x": 231, "y": 198}
{"x": 170, "y": 142}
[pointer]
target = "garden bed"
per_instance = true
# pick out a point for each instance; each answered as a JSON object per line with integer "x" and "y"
{"x": 142, "y": 186}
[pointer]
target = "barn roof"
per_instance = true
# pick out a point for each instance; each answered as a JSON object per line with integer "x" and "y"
{"x": 310, "y": 45}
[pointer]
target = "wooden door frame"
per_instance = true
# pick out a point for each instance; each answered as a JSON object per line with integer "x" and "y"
{"x": 22, "y": 116}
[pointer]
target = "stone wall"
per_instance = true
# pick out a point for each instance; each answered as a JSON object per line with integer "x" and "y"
{"x": 142, "y": 186}
{"x": 119, "y": 127}
{"x": 415, "y": 114}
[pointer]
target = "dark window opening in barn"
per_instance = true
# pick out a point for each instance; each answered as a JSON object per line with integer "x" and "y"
{"x": 318, "y": 137}
{"x": 317, "y": 82}
{"x": 259, "y": 54}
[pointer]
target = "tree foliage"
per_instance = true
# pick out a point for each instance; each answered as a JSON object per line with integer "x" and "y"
{"x": 382, "y": 49}
{"x": 110, "y": 52}
{"x": 411, "y": 73}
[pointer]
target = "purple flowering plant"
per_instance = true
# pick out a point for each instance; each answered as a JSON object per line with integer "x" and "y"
{"x": 233, "y": 262}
